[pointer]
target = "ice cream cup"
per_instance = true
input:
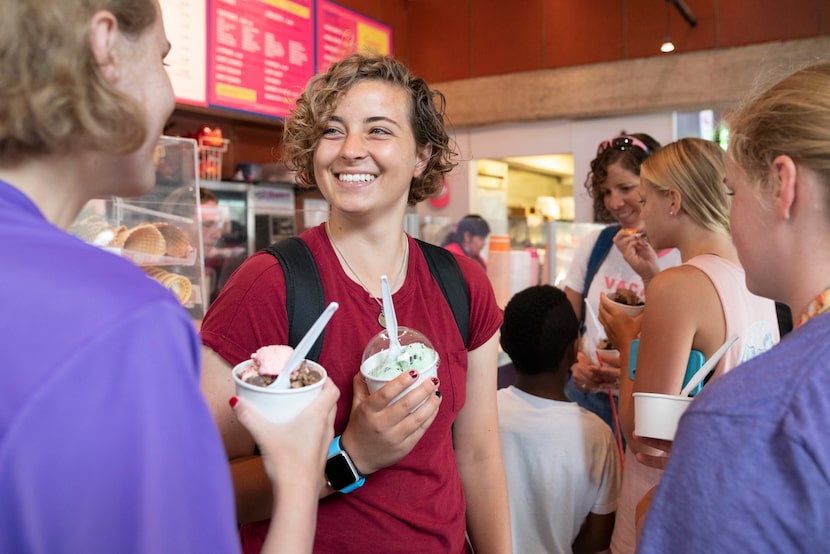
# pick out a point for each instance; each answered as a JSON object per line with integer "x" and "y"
{"x": 378, "y": 348}
{"x": 278, "y": 405}
{"x": 633, "y": 311}
{"x": 656, "y": 415}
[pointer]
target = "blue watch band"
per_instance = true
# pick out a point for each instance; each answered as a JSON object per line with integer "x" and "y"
{"x": 334, "y": 449}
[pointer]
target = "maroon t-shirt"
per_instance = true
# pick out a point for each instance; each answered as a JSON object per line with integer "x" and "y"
{"x": 416, "y": 505}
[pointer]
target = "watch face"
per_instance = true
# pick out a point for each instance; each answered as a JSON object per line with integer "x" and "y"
{"x": 339, "y": 472}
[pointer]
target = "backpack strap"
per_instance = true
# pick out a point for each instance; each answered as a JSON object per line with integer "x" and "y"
{"x": 602, "y": 247}
{"x": 445, "y": 269}
{"x": 304, "y": 289}
{"x": 304, "y": 298}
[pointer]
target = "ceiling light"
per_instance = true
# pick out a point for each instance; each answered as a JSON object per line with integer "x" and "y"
{"x": 667, "y": 46}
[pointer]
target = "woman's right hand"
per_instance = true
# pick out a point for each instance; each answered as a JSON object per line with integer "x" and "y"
{"x": 379, "y": 435}
{"x": 638, "y": 253}
{"x": 294, "y": 451}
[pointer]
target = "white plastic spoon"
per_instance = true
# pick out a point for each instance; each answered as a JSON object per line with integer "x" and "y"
{"x": 707, "y": 367}
{"x": 391, "y": 319}
{"x": 283, "y": 380}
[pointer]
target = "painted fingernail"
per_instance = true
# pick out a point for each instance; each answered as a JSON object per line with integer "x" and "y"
{"x": 438, "y": 393}
{"x": 233, "y": 401}
{"x": 413, "y": 374}
{"x": 435, "y": 381}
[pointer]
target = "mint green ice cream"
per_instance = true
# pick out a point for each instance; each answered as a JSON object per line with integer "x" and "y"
{"x": 417, "y": 356}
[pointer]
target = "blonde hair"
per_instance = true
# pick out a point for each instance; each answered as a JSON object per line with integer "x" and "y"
{"x": 54, "y": 98}
{"x": 315, "y": 106}
{"x": 696, "y": 168}
{"x": 792, "y": 118}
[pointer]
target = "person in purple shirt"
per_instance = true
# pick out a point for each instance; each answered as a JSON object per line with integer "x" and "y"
{"x": 106, "y": 443}
{"x": 749, "y": 469}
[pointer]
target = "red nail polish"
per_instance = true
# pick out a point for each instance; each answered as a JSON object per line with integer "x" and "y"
{"x": 435, "y": 381}
{"x": 233, "y": 401}
{"x": 413, "y": 374}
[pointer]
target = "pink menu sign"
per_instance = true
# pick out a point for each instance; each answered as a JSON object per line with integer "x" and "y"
{"x": 260, "y": 54}
{"x": 341, "y": 32}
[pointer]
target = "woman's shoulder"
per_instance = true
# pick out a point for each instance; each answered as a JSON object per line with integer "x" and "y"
{"x": 678, "y": 282}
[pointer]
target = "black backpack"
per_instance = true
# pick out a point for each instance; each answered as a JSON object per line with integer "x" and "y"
{"x": 304, "y": 289}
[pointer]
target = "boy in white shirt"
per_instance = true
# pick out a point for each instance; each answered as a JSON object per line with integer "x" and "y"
{"x": 562, "y": 465}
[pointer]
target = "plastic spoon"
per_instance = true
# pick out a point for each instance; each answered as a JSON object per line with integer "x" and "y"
{"x": 391, "y": 319}
{"x": 707, "y": 367}
{"x": 283, "y": 380}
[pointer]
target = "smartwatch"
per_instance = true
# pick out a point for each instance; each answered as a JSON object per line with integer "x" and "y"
{"x": 341, "y": 473}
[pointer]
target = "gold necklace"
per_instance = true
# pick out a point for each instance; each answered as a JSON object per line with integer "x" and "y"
{"x": 381, "y": 318}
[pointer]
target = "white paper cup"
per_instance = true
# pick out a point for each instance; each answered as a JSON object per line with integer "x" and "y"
{"x": 656, "y": 415}
{"x": 375, "y": 383}
{"x": 278, "y": 405}
{"x": 627, "y": 308}
{"x": 609, "y": 356}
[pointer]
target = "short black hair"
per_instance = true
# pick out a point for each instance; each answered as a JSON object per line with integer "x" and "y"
{"x": 474, "y": 224}
{"x": 539, "y": 328}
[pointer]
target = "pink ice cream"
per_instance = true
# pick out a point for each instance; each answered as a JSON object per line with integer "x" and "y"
{"x": 269, "y": 361}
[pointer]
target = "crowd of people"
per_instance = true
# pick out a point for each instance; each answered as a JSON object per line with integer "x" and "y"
{"x": 104, "y": 448}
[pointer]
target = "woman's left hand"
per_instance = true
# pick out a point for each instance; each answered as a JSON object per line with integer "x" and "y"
{"x": 620, "y": 327}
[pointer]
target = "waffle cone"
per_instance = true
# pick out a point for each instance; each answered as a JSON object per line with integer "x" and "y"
{"x": 176, "y": 243}
{"x": 145, "y": 238}
{"x": 177, "y": 284}
{"x": 155, "y": 272}
{"x": 121, "y": 234}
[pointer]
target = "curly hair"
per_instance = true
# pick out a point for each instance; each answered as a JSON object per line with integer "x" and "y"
{"x": 317, "y": 103}
{"x": 629, "y": 158}
{"x": 792, "y": 118}
{"x": 54, "y": 98}
{"x": 538, "y": 329}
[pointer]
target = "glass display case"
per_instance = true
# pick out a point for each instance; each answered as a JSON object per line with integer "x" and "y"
{"x": 160, "y": 232}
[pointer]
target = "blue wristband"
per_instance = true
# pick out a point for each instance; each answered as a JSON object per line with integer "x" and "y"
{"x": 340, "y": 469}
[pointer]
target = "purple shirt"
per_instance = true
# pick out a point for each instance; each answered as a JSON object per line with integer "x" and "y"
{"x": 106, "y": 443}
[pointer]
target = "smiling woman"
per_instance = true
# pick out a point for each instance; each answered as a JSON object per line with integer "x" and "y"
{"x": 371, "y": 136}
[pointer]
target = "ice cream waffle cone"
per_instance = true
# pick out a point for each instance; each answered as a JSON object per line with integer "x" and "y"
{"x": 155, "y": 272}
{"x": 145, "y": 238}
{"x": 177, "y": 284}
{"x": 176, "y": 243}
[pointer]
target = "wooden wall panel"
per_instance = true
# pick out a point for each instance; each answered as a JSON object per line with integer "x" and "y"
{"x": 752, "y": 21}
{"x": 441, "y": 48}
{"x": 506, "y": 38}
{"x": 449, "y": 40}
{"x": 649, "y": 21}
{"x": 585, "y": 32}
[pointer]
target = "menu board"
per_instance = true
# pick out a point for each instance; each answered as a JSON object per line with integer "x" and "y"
{"x": 185, "y": 26}
{"x": 256, "y": 56}
{"x": 341, "y": 32}
{"x": 260, "y": 54}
